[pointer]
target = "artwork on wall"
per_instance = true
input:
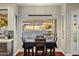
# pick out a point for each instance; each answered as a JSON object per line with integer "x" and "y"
{"x": 3, "y": 18}
{"x": 9, "y": 34}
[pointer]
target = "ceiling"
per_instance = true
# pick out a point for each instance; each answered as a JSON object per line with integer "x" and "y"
{"x": 40, "y": 4}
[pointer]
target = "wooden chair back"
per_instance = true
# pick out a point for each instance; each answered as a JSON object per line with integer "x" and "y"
{"x": 40, "y": 42}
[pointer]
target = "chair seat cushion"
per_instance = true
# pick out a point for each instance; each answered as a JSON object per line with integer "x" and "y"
{"x": 28, "y": 45}
{"x": 51, "y": 45}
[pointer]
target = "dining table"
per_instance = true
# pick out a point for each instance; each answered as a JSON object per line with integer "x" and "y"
{"x": 31, "y": 42}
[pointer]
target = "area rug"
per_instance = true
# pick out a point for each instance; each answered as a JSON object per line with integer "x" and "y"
{"x": 48, "y": 54}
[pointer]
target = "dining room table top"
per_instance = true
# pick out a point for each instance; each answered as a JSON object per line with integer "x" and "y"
{"x": 33, "y": 40}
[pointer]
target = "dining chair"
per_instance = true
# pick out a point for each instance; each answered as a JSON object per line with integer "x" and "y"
{"x": 28, "y": 46}
{"x": 51, "y": 46}
{"x": 40, "y": 45}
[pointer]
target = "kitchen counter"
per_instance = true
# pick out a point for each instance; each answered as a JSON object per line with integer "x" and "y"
{"x": 5, "y": 40}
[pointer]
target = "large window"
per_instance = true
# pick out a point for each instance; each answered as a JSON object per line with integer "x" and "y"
{"x": 39, "y": 25}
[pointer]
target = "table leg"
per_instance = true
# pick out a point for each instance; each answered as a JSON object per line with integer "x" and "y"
{"x": 46, "y": 52}
{"x": 43, "y": 52}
